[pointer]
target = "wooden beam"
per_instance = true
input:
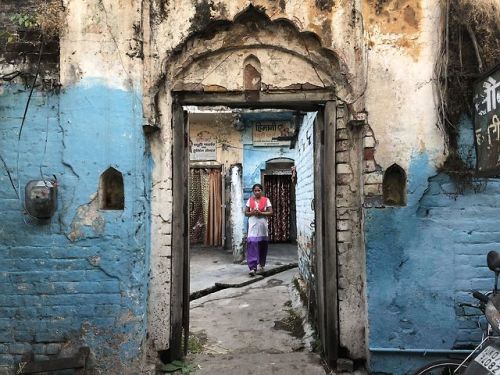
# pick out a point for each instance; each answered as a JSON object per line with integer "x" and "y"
{"x": 178, "y": 234}
{"x": 308, "y": 100}
{"x": 330, "y": 234}
{"x": 319, "y": 224}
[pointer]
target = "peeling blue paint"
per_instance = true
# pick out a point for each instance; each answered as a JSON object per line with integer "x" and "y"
{"x": 422, "y": 261}
{"x": 90, "y": 289}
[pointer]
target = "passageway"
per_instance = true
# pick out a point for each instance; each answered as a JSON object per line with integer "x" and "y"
{"x": 256, "y": 329}
{"x": 212, "y": 267}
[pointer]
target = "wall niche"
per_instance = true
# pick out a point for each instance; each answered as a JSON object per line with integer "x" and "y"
{"x": 111, "y": 191}
{"x": 394, "y": 186}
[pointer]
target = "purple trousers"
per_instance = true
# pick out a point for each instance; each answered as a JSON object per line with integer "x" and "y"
{"x": 256, "y": 251}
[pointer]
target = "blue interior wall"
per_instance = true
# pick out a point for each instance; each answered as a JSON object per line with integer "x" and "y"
{"x": 423, "y": 260}
{"x": 82, "y": 278}
{"x": 255, "y": 157}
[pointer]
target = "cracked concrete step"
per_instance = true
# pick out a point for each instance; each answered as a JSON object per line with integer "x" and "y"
{"x": 244, "y": 280}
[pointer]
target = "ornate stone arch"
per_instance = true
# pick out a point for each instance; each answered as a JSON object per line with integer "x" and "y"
{"x": 211, "y": 60}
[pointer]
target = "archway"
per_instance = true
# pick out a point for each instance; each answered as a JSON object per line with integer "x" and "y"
{"x": 296, "y": 72}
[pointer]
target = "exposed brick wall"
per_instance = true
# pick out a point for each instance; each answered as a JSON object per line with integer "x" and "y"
{"x": 350, "y": 249}
{"x": 372, "y": 173}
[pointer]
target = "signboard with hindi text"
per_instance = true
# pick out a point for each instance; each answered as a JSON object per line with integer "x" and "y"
{"x": 487, "y": 124}
{"x": 272, "y": 132}
{"x": 202, "y": 148}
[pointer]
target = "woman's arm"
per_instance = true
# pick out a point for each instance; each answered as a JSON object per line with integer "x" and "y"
{"x": 268, "y": 212}
{"x": 248, "y": 212}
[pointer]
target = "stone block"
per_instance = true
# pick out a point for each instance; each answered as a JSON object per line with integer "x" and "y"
{"x": 53, "y": 349}
{"x": 342, "y": 135}
{"x": 343, "y": 146}
{"x": 369, "y": 154}
{"x": 343, "y": 214}
{"x": 344, "y": 236}
{"x": 343, "y": 225}
{"x": 369, "y": 166}
{"x": 344, "y": 168}
{"x": 341, "y": 110}
{"x": 344, "y": 179}
{"x": 369, "y": 142}
{"x": 54, "y": 335}
{"x": 372, "y": 190}
{"x": 19, "y": 348}
{"x": 23, "y": 336}
{"x": 374, "y": 178}
{"x": 342, "y": 284}
{"x": 343, "y": 248}
{"x": 342, "y": 157}
{"x": 39, "y": 348}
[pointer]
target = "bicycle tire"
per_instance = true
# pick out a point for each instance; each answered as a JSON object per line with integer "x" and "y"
{"x": 440, "y": 367}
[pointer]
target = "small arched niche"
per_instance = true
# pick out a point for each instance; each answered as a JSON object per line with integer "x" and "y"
{"x": 394, "y": 186}
{"x": 252, "y": 73}
{"x": 111, "y": 192}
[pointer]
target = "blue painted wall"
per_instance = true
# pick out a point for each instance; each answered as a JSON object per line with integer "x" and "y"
{"x": 254, "y": 158}
{"x": 82, "y": 279}
{"x": 423, "y": 260}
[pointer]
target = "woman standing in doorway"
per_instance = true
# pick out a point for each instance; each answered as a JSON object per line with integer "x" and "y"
{"x": 258, "y": 209}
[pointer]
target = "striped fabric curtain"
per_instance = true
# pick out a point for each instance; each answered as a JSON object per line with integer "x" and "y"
{"x": 278, "y": 189}
{"x": 213, "y": 234}
{"x": 205, "y": 206}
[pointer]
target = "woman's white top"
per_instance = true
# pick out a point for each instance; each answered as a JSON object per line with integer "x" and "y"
{"x": 257, "y": 226}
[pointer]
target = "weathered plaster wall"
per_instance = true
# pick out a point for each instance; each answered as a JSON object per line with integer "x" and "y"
{"x": 102, "y": 39}
{"x": 219, "y": 127}
{"x": 82, "y": 279}
{"x": 236, "y": 209}
{"x": 255, "y": 157}
{"x": 403, "y": 41}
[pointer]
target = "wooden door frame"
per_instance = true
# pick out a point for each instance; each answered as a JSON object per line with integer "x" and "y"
{"x": 324, "y": 102}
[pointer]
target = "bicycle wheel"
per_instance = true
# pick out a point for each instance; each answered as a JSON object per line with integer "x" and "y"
{"x": 441, "y": 367}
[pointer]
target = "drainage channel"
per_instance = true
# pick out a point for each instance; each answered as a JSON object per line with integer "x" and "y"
{"x": 226, "y": 285}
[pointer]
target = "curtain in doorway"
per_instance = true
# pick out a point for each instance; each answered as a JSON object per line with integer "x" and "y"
{"x": 205, "y": 206}
{"x": 213, "y": 234}
{"x": 278, "y": 190}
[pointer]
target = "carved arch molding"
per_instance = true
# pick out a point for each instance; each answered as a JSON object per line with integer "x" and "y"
{"x": 214, "y": 59}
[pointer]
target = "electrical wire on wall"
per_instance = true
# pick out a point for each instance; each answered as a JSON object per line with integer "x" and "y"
{"x": 19, "y": 135}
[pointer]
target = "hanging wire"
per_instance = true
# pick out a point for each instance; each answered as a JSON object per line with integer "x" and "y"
{"x": 10, "y": 176}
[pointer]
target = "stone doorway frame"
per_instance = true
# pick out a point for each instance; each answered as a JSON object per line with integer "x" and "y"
{"x": 324, "y": 101}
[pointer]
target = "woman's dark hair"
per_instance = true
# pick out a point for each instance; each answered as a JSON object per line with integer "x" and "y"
{"x": 257, "y": 185}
